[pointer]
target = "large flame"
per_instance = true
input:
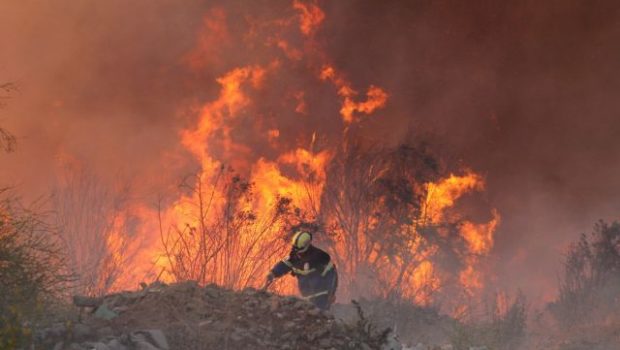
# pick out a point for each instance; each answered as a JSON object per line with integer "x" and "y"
{"x": 227, "y": 230}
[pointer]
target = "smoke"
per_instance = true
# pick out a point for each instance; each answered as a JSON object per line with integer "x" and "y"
{"x": 522, "y": 91}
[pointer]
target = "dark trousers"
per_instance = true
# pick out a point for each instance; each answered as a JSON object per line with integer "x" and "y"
{"x": 327, "y": 283}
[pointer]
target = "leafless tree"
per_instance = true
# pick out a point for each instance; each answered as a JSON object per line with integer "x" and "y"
{"x": 96, "y": 229}
{"x": 590, "y": 283}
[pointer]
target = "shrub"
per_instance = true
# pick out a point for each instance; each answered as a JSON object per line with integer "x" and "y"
{"x": 366, "y": 331}
{"x": 503, "y": 328}
{"x": 31, "y": 270}
{"x": 590, "y": 284}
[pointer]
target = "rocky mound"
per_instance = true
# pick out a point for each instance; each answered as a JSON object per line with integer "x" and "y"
{"x": 187, "y": 316}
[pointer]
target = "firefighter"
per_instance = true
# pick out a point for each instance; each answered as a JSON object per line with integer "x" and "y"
{"x": 317, "y": 278}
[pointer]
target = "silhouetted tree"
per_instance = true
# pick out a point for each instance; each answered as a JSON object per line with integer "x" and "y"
{"x": 590, "y": 285}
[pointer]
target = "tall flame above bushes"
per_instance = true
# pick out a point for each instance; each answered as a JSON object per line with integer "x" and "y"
{"x": 387, "y": 215}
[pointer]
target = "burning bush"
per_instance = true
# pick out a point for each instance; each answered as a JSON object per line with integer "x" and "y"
{"x": 292, "y": 124}
{"x": 372, "y": 205}
{"x": 219, "y": 237}
{"x": 590, "y": 284}
{"x": 388, "y": 215}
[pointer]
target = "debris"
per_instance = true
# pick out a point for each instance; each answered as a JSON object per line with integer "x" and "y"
{"x": 104, "y": 312}
{"x": 188, "y": 316}
{"x": 84, "y": 301}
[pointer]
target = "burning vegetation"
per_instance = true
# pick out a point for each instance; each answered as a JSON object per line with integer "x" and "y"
{"x": 278, "y": 142}
{"x": 387, "y": 214}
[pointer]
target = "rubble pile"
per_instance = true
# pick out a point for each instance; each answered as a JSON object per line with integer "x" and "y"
{"x": 188, "y": 316}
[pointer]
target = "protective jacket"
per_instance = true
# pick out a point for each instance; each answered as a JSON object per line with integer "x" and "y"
{"x": 316, "y": 275}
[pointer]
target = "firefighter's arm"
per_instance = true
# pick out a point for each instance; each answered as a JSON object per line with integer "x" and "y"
{"x": 325, "y": 263}
{"x": 280, "y": 269}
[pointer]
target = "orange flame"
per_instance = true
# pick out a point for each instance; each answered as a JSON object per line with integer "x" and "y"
{"x": 241, "y": 248}
{"x": 310, "y": 16}
{"x": 375, "y": 97}
{"x": 444, "y": 194}
{"x": 480, "y": 237}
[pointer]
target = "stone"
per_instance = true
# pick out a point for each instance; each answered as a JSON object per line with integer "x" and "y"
{"x": 212, "y": 291}
{"x": 115, "y": 344}
{"x": 101, "y": 346}
{"x": 314, "y": 312}
{"x": 120, "y": 309}
{"x": 104, "y": 332}
{"x": 392, "y": 343}
{"x": 145, "y": 346}
{"x": 105, "y": 313}
{"x": 324, "y": 343}
{"x": 81, "y": 332}
{"x": 84, "y": 301}
{"x": 274, "y": 304}
{"x": 236, "y": 337}
{"x": 365, "y": 346}
{"x": 152, "y": 336}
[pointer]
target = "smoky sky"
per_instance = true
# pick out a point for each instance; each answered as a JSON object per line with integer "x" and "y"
{"x": 524, "y": 92}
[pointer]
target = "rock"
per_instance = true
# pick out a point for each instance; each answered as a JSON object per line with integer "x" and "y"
{"x": 105, "y": 313}
{"x": 105, "y": 332}
{"x": 250, "y": 291}
{"x": 274, "y": 304}
{"x": 392, "y": 343}
{"x": 193, "y": 315}
{"x": 236, "y": 337}
{"x": 324, "y": 343}
{"x": 81, "y": 332}
{"x": 115, "y": 344}
{"x": 145, "y": 346}
{"x": 418, "y": 346}
{"x": 84, "y": 301}
{"x": 314, "y": 311}
{"x": 153, "y": 337}
{"x": 120, "y": 309}
{"x": 212, "y": 291}
{"x": 101, "y": 346}
{"x": 59, "y": 346}
{"x": 52, "y": 335}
